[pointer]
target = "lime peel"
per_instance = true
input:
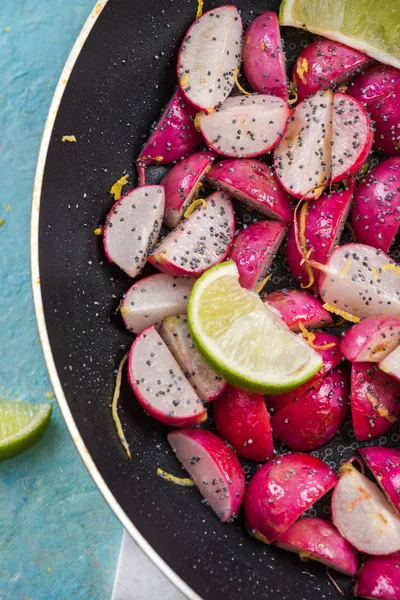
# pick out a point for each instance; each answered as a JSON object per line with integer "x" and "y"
{"x": 22, "y": 424}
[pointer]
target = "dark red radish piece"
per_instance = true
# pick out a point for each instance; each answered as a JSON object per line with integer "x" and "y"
{"x": 255, "y": 184}
{"x": 391, "y": 364}
{"x": 371, "y": 339}
{"x": 242, "y": 419}
{"x": 352, "y": 136}
{"x": 376, "y": 205}
{"x": 375, "y": 401}
{"x": 209, "y": 55}
{"x": 362, "y": 514}
{"x": 303, "y": 156}
{"x": 254, "y": 249}
{"x": 214, "y": 468}
{"x": 296, "y": 306}
{"x": 263, "y": 57}
{"x": 325, "y": 64}
{"x": 319, "y": 540}
{"x": 154, "y": 298}
{"x": 245, "y": 126}
{"x": 384, "y": 463}
{"x": 379, "y": 578}
{"x": 386, "y": 117}
{"x": 198, "y": 242}
{"x": 280, "y": 491}
{"x": 314, "y": 419}
{"x": 175, "y": 333}
{"x": 132, "y": 227}
{"x": 159, "y": 384}
{"x": 375, "y": 83}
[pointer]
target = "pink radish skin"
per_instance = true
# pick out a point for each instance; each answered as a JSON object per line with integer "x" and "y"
{"x": 320, "y": 541}
{"x": 214, "y": 468}
{"x": 263, "y": 58}
{"x": 151, "y": 370}
{"x": 255, "y": 184}
{"x": 391, "y": 364}
{"x": 132, "y": 227}
{"x": 297, "y": 306}
{"x": 181, "y": 184}
{"x": 209, "y": 54}
{"x": 371, "y": 339}
{"x": 315, "y": 418}
{"x": 385, "y": 114}
{"x": 385, "y": 465}
{"x": 375, "y": 83}
{"x": 241, "y": 418}
{"x": 198, "y": 242}
{"x": 280, "y": 491}
{"x": 254, "y": 250}
{"x": 328, "y": 65}
{"x": 375, "y": 401}
{"x": 362, "y": 514}
{"x": 379, "y": 578}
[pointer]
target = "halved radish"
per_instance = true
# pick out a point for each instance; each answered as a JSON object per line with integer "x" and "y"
{"x": 154, "y": 298}
{"x": 391, "y": 364}
{"x": 159, "y": 383}
{"x": 132, "y": 227}
{"x": 379, "y": 579}
{"x": 280, "y": 491}
{"x": 175, "y": 333}
{"x": 362, "y": 514}
{"x": 375, "y": 83}
{"x": 214, "y": 468}
{"x": 245, "y": 126}
{"x": 198, "y": 242}
{"x": 371, "y": 339}
{"x": 209, "y": 55}
{"x": 384, "y": 463}
{"x": 241, "y": 418}
{"x": 319, "y": 540}
{"x": 297, "y": 306}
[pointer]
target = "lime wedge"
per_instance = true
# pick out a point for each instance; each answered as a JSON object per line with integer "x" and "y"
{"x": 21, "y": 425}
{"x": 244, "y": 340}
{"x": 367, "y": 25}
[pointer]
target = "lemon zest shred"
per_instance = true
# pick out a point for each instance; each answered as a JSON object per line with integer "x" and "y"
{"x": 123, "y": 310}
{"x": 2, "y": 221}
{"x": 262, "y": 46}
{"x": 309, "y": 336}
{"x": 184, "y": 481}
{"x": 341, "y": 313}
{"x": 198, "y": 190}
{"x": 199, "y": 8}
{"x": 197, "y": 119}
{"x": 338, "y": 323}
{"x": 116, "y": 188}
{"x": 305, "y": 556}
{"x": 375, "y": 272}
{"x": 301, "y": 69}
{"x": 391, "y": 267}
{"x": 184, "y": 80}
{"x": 346, "y": 267}
{"x": 262, "y": 283}
{"x": 346, "y": 468}
{"x": 68, "y": 138}
{"x": 114, "y": 407}
{"x": 239, "y": 87}
{"x": 98, "y": 231}
{"x": 381, "y": 410}
{"x": 194, "y": 205}
{"x": 293, "y": 91}
{"x": 303, "y": 241}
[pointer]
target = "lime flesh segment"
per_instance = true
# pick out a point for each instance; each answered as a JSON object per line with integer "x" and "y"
{"x": 367, "y": 25}
{"x": 243, "y": 339}
{"x": 22, "y": 424}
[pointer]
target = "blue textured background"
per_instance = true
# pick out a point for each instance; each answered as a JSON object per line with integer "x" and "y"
{"x": 58, "y": 538}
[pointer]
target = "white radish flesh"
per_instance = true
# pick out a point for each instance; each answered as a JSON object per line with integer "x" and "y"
{"x": 391, "y": 364}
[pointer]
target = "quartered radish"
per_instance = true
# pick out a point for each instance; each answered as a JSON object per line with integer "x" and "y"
{"x": 175, "y": 333}
{"x": 132, "y": 227}
{"x": 371, "y": 339}
{"x": 317, "y": 539}
{"x": 241, "y": 418}
{"x": 386, "y": 115}
{"x": 245, "y": 126}
{"x": 159, "y": 383}
{"x": 209, "y": 55}
{"x": 375, "y": 83}
{"x": 280, "y": 491}
{"x": 375, "y": 401}
{"x": 384, "y": 463}
{"x": 379, "y": 579}
{"x": 154, "y": 298}
{"x": 214, "y": 468}
{"x": 198, "y": 242}
{"x": 254, "y": 249}
{"x": 182, "y": 183}
{"x": 391, "y": 364}
{"x": 254, "y": 183}
{"x": 297, "y": 306}
{"x": 362, "y": 514}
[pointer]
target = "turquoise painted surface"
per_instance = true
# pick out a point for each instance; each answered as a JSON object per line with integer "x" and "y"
{"x": 58, "y": 538}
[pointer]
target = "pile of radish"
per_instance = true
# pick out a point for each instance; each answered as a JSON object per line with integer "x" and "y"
{"x": 299, "y": 167}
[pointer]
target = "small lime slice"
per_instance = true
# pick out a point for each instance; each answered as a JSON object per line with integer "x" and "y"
{"x": 22, "y": 424}
{"x": 244, "y": 340}
{"x": 367, "y": 25}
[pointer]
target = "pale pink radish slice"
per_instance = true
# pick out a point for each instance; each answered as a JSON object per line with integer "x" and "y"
{"x": 303, "y": 157}
{"x": 371, "y": 339}
{"x": 362, "y": 514}
{"x": 154, "y": 298}
{"x": 175, "y": 333}
{"x": 209, "y": 55}
{"x": 391, "y": 364}
{"x": 198, "y": 242}
{"x": 132, "y": 227}
{"x": 280, "y": 491}
{"x": 159, "y": 384}
{"x": 254, "y": 249}
{"x": 384, "y": 463}
{"x": 245, "y": 126}
{"x": 375, "y": 83}
{"x": 214, "y": 468}
{"x": 297, "y": 306}
{"x": 379, "y": 579}
{"x": 319, "y": 540}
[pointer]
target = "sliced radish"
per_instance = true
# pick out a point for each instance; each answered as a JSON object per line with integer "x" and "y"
{"x": 159, "y": 383}
{"x": 297, "y": 306}
{"x": 384, "y": 463}
{"x": 375, "y": 83}
{"x": 379, "y": 578}
{"x": 371, "y": 339}
{"x": 214, "y": 468}
{"x": 391, "y": 364}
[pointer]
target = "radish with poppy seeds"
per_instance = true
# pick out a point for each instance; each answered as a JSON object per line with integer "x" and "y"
{"x": 385, "y": 114}
{"x": 296, "y": 306}
{"x": 384, "y": 463}
{"x": 379, "y": 579}
{"x": 391, "y": 364}
{"x": 371, "y": 339}
{"x": 375, "y": 83}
